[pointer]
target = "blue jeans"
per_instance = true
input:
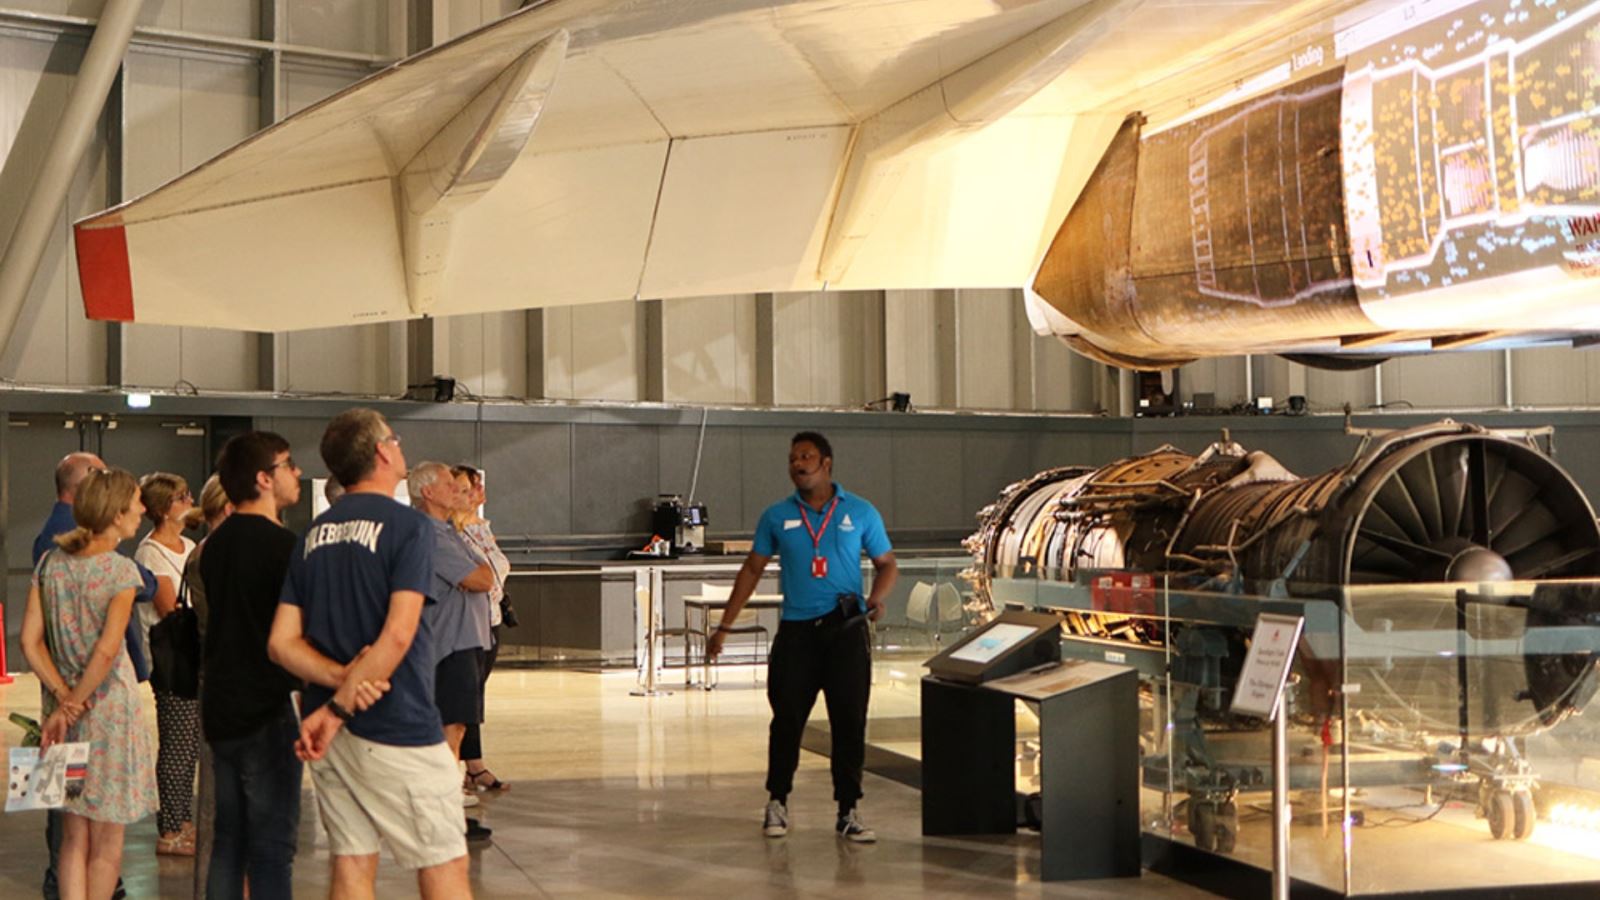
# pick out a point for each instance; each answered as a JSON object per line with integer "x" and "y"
{"x": 257, "y": 812}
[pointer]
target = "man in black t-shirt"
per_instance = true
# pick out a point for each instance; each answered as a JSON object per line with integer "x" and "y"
{"x": 247, "y": 716}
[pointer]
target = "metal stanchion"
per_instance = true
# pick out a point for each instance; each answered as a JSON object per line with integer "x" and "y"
{"x": 1280, "y": 803}
{"x": 647, "y": 589}
{"x": 1260, "y": 693}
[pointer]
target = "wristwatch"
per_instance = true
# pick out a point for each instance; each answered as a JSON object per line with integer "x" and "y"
{"x": 344, "y": 715}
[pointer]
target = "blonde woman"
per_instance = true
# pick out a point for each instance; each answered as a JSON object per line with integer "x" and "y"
{"x": 164, "y": 551}
{"x": 480, "y": 538}
{"x": 72, "y": 634}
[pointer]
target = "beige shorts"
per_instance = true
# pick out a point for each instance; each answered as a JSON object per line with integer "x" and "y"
{"x": 409, "y": 797}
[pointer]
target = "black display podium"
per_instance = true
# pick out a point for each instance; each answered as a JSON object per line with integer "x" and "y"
{"x": 1089, "y": 756}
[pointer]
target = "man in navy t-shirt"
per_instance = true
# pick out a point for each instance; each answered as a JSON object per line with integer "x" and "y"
{"x": 351, "y": 614}
{"x": 819, "y": 534}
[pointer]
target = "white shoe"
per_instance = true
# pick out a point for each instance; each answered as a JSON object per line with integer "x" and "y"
{"x": 469, "y": 799}
{"x": 776, "y": 822}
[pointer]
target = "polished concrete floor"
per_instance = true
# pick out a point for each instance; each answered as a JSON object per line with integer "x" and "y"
{"x": 621, "y": 796}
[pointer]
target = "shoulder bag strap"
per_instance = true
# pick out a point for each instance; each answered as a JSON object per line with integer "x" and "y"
{"x": 44, "y": 608}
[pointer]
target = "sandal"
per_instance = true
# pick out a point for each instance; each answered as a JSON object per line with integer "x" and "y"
{"x": 484, "y": 780}
{"x": 177, "y": 843}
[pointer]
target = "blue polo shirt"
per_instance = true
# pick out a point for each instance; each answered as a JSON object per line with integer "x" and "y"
{"x": 855, "y": 528}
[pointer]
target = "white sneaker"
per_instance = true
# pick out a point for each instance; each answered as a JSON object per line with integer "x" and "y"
{"x": 776, "y": 822}
{"x": 469, "y": 799}
{"x": 851, "y": 828}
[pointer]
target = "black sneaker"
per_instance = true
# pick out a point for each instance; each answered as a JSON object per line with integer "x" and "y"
{"x": 851, "y": 828}
{"x": 477, "y": 832}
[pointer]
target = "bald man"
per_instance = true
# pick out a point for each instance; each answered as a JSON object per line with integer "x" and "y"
{"x": 70, "y": 473}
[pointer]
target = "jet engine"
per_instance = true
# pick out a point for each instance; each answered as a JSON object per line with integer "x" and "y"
{"x": 1488, "y": 514}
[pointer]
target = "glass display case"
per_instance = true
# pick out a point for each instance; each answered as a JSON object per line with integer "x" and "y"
{"x": 1436, "y": 731}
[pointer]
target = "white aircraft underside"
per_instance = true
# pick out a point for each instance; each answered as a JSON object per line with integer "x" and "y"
{"x": 582, "y": 151}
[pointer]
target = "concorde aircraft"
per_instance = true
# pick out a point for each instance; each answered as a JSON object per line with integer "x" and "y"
{"x": 1169, "y": 179}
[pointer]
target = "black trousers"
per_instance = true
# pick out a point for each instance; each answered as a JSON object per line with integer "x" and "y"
{"x": 834, "y": 658}
{"x": 472, "y": 741}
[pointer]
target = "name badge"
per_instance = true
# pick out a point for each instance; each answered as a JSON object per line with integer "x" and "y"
{"x": 819, "y": 567}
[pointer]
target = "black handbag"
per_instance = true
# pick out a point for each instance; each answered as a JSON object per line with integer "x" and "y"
{"x": 175, "y": 650}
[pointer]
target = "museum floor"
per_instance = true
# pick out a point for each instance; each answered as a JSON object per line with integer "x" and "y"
{"x": 619, "y": 796}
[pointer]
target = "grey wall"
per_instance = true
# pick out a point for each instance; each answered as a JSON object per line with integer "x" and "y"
{"x": 569, "y": 480}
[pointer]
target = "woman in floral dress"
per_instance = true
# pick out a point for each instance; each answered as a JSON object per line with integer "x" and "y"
{"x": 72, "y": 635}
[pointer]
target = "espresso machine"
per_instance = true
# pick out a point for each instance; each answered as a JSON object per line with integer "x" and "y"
{"x": 684, "y": 524}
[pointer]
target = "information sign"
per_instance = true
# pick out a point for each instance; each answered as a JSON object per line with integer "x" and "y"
{"x": 1266, "y": 666}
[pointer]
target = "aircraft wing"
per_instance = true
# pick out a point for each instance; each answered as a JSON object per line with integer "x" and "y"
{"x": 585, "y": 150}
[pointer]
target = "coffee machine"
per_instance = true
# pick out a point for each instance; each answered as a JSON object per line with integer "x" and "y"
{"x": 684, "y": 524}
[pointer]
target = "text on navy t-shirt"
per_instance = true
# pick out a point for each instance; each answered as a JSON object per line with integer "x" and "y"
{"x": 364, "y": 548}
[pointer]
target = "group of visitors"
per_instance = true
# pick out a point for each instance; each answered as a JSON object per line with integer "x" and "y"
{"x": 361, "y": 649}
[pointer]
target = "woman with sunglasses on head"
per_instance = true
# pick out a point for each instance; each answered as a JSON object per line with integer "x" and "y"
{"x": 72, "y": 634}
{"x": 480, "y": 538}
{"x": 164, "y": 551}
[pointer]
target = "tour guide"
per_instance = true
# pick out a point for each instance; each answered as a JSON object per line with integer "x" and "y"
{"x": 823, "y": 641}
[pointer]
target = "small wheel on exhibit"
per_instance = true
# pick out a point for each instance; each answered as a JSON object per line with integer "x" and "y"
{"x": 1203, "y": 823}
{"x": 1501, "y": 814}
{"x": 1524, "y": 814}
{"x": 1227, "y": 827}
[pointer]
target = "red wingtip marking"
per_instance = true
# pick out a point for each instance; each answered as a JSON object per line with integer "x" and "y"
{"x": 103, "y": 272}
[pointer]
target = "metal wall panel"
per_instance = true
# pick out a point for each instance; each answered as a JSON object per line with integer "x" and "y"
{"x": 356, "y": 360}
{"x": 1446, "y": 380}
{"x": 720, "y": 486}
{"x": 987, "y": 356}
{"x": 927, "y": 480}
{"x": 592, "y": 352}
{"x": 1063, "y": 380}
{"x": 34, "y": 444}
{"x": 821, "y": 357}
{"x": 54, "y": 343}
{"x": 1554, "y": 377}
{"x": 180, "y": 112}
{"x": 1100, "y": 439}
{"x": 358, "y": 26}
{"x": 1330, "y": 390}
{"x": 232, "y": 18}
{"x": 911, "y": 353}
{"x": 708, "y": 349}
{"x": 863, "y": 461}
{"x": 1223, "y": 377}
{"x": 615, "y": 469}
{"x": 466, "y": 15}
{"x": 487, "y": 353}
{"x": 529, "y": 477}
{"x": 990, "y": 460}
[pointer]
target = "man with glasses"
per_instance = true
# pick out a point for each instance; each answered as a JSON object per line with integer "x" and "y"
{"x": 459, "y": 620}
{"x": 247, "y": 715}
{"x": 350, "y": 619}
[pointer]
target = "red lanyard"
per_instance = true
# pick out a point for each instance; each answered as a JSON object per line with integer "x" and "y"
{"x": 817, "y": 533}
